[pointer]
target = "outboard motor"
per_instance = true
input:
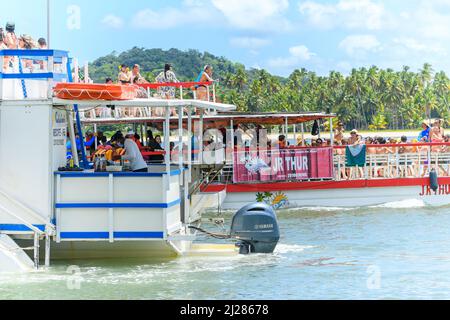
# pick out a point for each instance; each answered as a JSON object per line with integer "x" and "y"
{"x": 255, "y": 226}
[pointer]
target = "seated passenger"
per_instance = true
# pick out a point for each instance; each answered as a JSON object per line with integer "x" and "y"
{"x": 124, "y": 76}
{"x": 136, "y": 77}
{"x": 282, "y": 144}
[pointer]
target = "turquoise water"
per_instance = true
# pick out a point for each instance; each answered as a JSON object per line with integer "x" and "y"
{"x": 389, "y": 252}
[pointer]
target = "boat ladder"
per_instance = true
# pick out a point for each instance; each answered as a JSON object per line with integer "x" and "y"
{"x": 20, "y": 212}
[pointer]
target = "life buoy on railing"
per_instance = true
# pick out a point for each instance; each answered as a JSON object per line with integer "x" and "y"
{"x": 86, "y": 91}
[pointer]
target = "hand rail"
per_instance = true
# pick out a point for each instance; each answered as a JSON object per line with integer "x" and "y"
{"x": 29, "y": 211}
{"x": 174, "y": 84}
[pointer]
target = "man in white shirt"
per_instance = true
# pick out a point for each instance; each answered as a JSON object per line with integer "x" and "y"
{"x": 133, "y": 154}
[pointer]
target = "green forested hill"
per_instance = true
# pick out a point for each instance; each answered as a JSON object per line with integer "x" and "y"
{"x": 367, "y": 98}
{"x": 186, "y": 64}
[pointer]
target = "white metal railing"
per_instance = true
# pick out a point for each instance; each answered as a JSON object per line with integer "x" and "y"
{"x": 395, "y": 165}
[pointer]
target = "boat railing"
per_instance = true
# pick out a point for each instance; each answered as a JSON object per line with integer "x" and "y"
{"x": 297, "y": 164}
{"x": 184, "y": 90}
{"x": 31, "y": 74}
{"x": 393, "y": 161}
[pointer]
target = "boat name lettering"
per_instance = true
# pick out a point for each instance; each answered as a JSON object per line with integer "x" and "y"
{"x": 444, "y": 189}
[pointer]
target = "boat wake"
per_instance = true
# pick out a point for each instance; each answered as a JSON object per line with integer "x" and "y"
{"x": 290, "y": 248}
{"x": 404, "y": 204}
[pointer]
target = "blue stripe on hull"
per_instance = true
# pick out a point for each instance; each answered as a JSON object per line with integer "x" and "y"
{"x": 116, "y": 205}
{"x": 117, "y": 235}
{"x": 19, "y": 227}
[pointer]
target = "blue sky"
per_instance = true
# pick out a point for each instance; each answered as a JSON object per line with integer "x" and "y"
{"x": 277, "y": 35}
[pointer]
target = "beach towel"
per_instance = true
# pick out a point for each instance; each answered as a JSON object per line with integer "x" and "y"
{"x": 355, "y": 156}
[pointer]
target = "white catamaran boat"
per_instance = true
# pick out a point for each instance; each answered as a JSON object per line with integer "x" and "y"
{"x": 82, "y": 214}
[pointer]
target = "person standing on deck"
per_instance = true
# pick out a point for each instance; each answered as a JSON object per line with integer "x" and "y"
{"x": 204, "y": 76}
{"x": 167, "y": 76}
{"x": 133, "y": 154}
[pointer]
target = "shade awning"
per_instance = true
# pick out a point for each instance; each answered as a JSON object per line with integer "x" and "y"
{"x": 149, "y": 103}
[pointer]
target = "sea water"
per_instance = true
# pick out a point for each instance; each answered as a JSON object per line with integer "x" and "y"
{"x": 395, "y": 251}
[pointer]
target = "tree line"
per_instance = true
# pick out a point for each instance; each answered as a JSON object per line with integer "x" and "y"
{"x": 367, "y": 98}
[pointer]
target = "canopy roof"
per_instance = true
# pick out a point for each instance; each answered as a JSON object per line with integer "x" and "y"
{"x": 225, "y": 118}
{"x": 150, "y": 103}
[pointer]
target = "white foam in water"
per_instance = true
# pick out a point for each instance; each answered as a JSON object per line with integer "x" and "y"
{"x": 320, "y": 209}
{"x": 404, "y": 204}
{"x": 287, "y": 248}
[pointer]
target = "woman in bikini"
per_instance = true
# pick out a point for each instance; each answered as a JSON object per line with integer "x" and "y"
{"x": 205, "y": 76}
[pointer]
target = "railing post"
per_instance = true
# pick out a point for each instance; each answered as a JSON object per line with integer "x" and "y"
{"x": 36, "y": 250}
{"x": 214, "y": 93}
{"x": 47, "y": 249}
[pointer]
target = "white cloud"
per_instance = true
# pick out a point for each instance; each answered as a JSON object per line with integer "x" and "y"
{"x": 414, "y": 45}
{"x": 170, "y": 17}
{"x": 349, "y": 14}
{"x": 358, "y": 45}
{"x": 301, "y": 52}
{"x": 249, "y": 42}
{"x": 113, "y": 21}
{"x": 254, "y": 14}
{"x": 298, "y": 54}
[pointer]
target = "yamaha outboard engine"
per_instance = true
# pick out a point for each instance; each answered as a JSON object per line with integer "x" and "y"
{"x": 255, "y": 226}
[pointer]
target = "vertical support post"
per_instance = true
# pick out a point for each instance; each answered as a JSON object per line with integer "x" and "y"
{"x": 58, "y": 210}
{"x": 200, "y": 140}
{"x": 180, "y": 137}
{"x": 295, "y": 134}
{"x": 208, "y": 93}
{"x": 190, "y": 135}
{"x": 167, "y": 144}
{"x": 232, "y": 142}
{"x": 331, "y": 132}
{"x": 47, "y": 250}
{"x": 95, "y": 132}
{"x": 36, "y": 250}
{"x": 86, "y": 73}
{"x": 50, "y": 69}
{"x": 111, "y": 210}
{"x": 286, "y": 128}
{"x": 76, "y": 70}
{"x": 303, "y": 134}
{"x": 181, "y": 92}
{"x": 214, "y": 93}
{"x": 145, "y": 134}
{"x": 48, "y": 23}
{"x": 77, "y": 115}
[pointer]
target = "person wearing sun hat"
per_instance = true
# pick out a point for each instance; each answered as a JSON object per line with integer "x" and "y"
{"x": 133, "y": 154}
{"x": 355, "y": 138}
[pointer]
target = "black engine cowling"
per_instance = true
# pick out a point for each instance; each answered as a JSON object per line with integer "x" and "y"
{"x": 255, "y": 226}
